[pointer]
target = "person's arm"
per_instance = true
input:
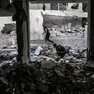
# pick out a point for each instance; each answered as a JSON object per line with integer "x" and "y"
{"x": 43, "y": 33}
{"x": 45, "y": 30}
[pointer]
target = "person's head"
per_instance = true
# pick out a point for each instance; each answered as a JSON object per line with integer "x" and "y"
{"x": 54, "y": 44}
{"x": 43, "y": 25}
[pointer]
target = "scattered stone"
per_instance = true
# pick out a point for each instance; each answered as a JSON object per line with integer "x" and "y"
{"x": 48, "y": 65}
{"x": 43, "y": 88}
{"x": 59, "y": 76}
{"x": 87, "y": 74}
{"x": 89, "y": 68}
{"x": 84, "y": 81}
{"x": 3, "y": 80}
{"x": 92, "y": 76}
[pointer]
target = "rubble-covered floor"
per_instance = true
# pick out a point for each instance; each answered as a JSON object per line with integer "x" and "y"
{"x": 47, "y": 73}
{"x": 48, "y": 53}
{"x": 47, "y": 78}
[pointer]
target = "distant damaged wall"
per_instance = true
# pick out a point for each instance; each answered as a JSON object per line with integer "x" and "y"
{"x": 36, "y": 28}
{"x": 4, "y": 38}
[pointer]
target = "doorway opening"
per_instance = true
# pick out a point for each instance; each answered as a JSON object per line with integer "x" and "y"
{"x": 68, "y": 27}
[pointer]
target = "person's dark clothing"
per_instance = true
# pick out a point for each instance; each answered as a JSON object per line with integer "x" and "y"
{"x": 47, "y": 34}
{"x": 61, "y": 51}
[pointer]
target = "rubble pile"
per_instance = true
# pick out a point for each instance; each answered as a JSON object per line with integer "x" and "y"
{"x": 69, "y": 30}
{"x": 46, "y": 78}
{"x": 8, "y": 56}
{"x": 49, "y": 53}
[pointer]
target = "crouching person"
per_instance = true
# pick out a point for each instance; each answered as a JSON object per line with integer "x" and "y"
{"x": 60, "y": 50}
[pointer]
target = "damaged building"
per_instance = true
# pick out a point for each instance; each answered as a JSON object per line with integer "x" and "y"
{"x": 46, "y": 47}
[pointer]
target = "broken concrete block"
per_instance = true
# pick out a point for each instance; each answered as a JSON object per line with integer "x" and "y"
{"x": 38, "y": 50}
{"x": 4, "y": 80}
{"x": 59, "y": 76}
{"x": 42, "y": 87}
{"x": 92, "y": 76}
{"x": 48, "y": 65}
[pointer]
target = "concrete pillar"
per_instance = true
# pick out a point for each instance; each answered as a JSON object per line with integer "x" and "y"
{"x": 19, "y": 32}
{"x": 22, "y": 24}
{"x": 88, "y": 31}
{"x": 26, "y": 34}
{"x": 91, "y": 30}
